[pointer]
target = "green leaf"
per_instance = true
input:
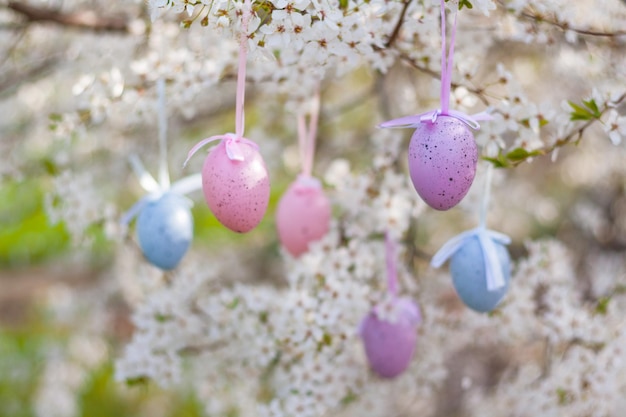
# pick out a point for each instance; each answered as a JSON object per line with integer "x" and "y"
{"x": 140, "y": 380}
{"x": 579, "y": 113}
{"x": 603, "y": 305}
{"x": 465, "y": 3}
{"x": 498, "y": 162}
{"x": 233, "y": 304}
{"x": 587, "y": 111}
{"x": 591, "y": 105}
{"x": 343, "y": 4}
{"x": 55, "y": 117}
{"x": 521, "y": 154}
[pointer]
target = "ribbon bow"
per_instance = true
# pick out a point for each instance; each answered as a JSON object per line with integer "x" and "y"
{"x": 155, "y": 190}
{"x": 487, "y": 239}
{"x": 431, "y": 117}
{"x": 233, "y": 146}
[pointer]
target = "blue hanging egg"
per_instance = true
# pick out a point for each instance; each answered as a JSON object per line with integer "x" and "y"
{"x": 468, "y": 271}
{"x": 165, "y": 230}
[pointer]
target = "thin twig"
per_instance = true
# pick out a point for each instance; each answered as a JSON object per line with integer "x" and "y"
{"x": 478, "y": 92}
{"x": 396, "y": 29}
{"x": 86, "y": 20}
{"x": 565, "y": 26}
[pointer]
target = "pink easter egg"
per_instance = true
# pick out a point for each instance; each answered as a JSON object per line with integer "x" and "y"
{"x": 442, "y": 161}
{"x": 237, "y": 192}
{"x": 303, "y": 215}
{"x": 389, "y": 344}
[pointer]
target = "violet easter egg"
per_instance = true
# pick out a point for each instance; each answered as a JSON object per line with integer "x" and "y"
{"x": 237, "y": 192}
{"x": 442, "y": 161}
{"x": 389, "y": 345}
{"x": 468, "y": 271}
{"x": 302, "y": 217}
{"x": 165, "y": 230}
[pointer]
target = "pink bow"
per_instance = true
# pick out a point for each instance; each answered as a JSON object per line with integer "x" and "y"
{"x": 233, "y": 146}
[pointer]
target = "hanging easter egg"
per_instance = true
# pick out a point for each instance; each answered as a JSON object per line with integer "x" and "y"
{"x": 442, "y": 161}
{"x": 469, "y": 275}
{"x": 236, "y": 184}
{"x": 165, "y": 230}
{"x": 389, "y": 344}
{"x": 303, "y": 215}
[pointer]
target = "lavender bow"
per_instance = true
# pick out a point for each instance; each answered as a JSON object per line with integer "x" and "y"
{"x": 431, "y": 117}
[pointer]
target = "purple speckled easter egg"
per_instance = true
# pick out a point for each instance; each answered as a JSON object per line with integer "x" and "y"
{"x": 237, "y": 192}
{"x": 303, "y": 215}
{"x": 389, "y": 345}
{"x": 442, "y": 161}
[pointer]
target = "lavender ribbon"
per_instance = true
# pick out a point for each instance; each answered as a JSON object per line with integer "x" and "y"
{"x": 432, "y": 116}
{"x": 487, "y": 240}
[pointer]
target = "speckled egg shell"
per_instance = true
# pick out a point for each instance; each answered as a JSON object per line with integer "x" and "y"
{"x": 237, "y": 192}
{"x": 469, "y": 277}
{"x": 302, "y": 217}
{"x": 442, "y": 161}
{"x": 389, "y": 346}
{"x": 165, "y": 230}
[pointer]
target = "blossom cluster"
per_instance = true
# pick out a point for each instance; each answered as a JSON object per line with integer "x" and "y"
{"x": 287, "y": 344}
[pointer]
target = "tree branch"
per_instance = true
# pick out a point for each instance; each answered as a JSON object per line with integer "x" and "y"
{"x": 530, "y": 14}
{"x": 12, "y": 81}
{"x": 396, "y": 30}
{"x": 85, "y": 20}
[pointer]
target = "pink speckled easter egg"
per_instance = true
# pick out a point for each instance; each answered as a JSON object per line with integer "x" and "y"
{"x": 442, "y": 161}
{"x": 303, "y": 215}
{"x": 237, "y": 192}
{"x": 389, "y": 345}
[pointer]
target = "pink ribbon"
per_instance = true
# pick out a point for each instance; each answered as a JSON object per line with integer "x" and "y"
{"x": 233, "y": 146}
{"x": 446, "y": 83}
{"x": 392, "y": 268}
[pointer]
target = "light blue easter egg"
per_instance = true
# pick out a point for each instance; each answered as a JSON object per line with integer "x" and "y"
{"x": 469, "y": 275}
{"x": 165, "y": 230}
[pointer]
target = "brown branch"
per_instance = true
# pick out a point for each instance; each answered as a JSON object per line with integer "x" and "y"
{"x": 396, "y": 30}
{"x": 566, "y": 26}
{"x": 85, "y": 20}
{"x": 478, "y": 92}
{"x": 540, "y": 18}
{"x": 12, "y": 81}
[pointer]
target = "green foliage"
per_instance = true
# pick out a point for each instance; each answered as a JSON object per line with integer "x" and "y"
{"x": 464, "y": 3}
{"x": 602, "y": 305}
{"x": 25, "y": 235}
{"x": 23, "y": 355}
{"x": 588, "y": 110}
{"x": 512, "y": 158}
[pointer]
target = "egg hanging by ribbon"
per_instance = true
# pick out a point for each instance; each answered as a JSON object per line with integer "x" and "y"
{"x": 390, "y": 341}
{"x": 236, "y": 184}
{"x": 468, "y": 270}
{"x": 303, "y": 215}
{"x": 442, "y": 161}
{"x": 165, "y": 230}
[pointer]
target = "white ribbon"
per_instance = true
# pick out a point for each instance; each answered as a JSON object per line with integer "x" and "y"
{"x": 181, "y": 187}
{"x": 487, "y": 240}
